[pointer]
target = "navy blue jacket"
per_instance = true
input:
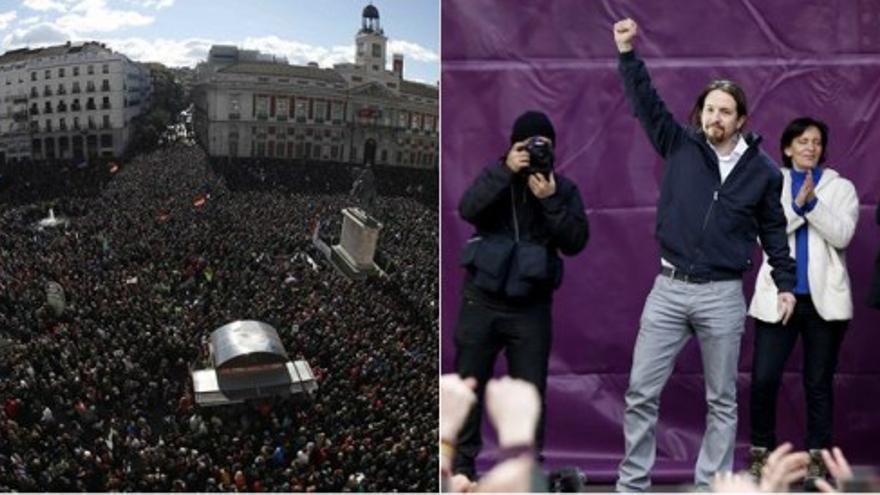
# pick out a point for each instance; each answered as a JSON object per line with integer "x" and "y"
{"x": 707, "y": 228}
{"x": 874, "y": 297}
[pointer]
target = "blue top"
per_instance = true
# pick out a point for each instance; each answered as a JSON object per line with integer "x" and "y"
{"x": 802, "y": 254}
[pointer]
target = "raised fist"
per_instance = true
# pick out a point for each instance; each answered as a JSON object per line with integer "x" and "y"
{"x": 625, "y": 32}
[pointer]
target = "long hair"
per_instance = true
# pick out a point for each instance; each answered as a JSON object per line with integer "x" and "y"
{"x": 729, "y": 87}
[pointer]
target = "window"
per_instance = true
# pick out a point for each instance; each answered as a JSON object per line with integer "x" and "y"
{"x": 336, "y": 111}
{"x": 377, "y": 50}
{"x": 90, "y": 70}
{"x": 76, "y": 70}
{"x": 48, "y": 74}
{"x": 282, "y": 106}
{"x": 300, "y": 108}
{"x": 106, "y": 123}
{"x": 61, "y": 72}
{"x": 105, "y": 69}
{"x": 33, "y": 76}
{"x": 262, "y": 107}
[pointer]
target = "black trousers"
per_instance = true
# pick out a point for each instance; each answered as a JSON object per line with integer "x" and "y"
{"x": 525, "y": 334}
{"x": 773, "y": 345}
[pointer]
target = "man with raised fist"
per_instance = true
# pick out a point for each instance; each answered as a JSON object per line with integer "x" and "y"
{"x": 719, "y": 194}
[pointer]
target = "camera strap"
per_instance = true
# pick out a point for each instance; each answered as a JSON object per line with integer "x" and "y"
{"x": 515, "y": 216}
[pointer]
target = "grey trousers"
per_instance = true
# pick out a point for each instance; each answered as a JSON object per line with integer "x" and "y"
{"x": 714, "y": 312}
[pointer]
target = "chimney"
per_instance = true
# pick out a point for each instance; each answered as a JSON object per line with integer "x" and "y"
{"x": 397, "y": 65}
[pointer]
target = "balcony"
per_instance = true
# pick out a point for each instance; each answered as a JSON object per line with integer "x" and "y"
{"x": 62, "y": 126}
{"x": 48, "y": 109}
{"x": 47, "y": 92}
{"x": 76, "y": 107}
{"x": 92, "y": 125}
{"x": 90, "y": 88}
{"x": 34, "y": 110}
{"x": 105, "y": 105}
{"x": 34, "y": 93}
{"x": 105, "y": 87}
{"x": 234, "y": 116}
{"x": 281, "y": 118}
{"x": 75, "y": 90}
{"x": 91, "y": 106}
{"x": 262, "y": 116}
{"x": 106, "y": 125}
{"x": 62, "y": 108}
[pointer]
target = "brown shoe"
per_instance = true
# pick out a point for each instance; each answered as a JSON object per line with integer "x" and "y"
{"x": 757, "y": 460}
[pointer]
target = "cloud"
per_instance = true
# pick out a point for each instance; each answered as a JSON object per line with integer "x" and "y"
{"x": 300, "y": 53}
{"x": 89, "y": 16}
{"x": 6, "y": 19}
{"x": 27, "y": 21}
{"x": 151, "y": 4}
{"x": 34, "y": 36}
{"x": 45, "y": 5}
{"x": 412, "y": 51}
{"x": 172, "y": 53}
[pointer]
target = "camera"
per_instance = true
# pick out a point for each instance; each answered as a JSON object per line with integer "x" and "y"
{"x": 540, "y": 157}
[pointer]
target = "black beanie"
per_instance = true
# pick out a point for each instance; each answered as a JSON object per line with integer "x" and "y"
{"x": 532, "y": 124}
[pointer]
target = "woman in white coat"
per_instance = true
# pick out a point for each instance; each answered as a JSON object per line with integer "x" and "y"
{"x": 822, "y": 209}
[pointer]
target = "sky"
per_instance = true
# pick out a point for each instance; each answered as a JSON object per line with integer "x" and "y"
{"x": 180, "y": 32}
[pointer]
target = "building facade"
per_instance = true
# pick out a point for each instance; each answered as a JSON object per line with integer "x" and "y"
{"x": 69, "y": 102}
{"x": 249, "y": 104}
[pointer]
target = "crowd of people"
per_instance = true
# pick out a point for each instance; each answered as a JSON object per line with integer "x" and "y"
{"x": 168, "y": 248}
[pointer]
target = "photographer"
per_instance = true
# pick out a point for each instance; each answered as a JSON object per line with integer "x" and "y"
{"x": 524, "y": 214}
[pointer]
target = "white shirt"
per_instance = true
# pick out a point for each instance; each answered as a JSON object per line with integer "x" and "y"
{"x": 726, "y": 163}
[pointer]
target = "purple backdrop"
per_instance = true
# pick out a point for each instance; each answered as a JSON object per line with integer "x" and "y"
{"x": 813, "y": 57}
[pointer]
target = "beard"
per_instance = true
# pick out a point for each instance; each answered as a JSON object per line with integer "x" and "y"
{"x": 715, "y": 134}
